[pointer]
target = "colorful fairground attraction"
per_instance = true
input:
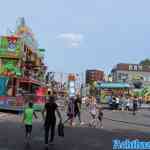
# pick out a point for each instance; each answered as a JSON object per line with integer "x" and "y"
{"x": 22, "y": 68}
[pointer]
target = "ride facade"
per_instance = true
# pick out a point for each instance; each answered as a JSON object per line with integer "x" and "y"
{"x": 22, "y": 68}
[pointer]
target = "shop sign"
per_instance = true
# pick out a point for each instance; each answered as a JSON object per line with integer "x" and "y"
{"x": 135, "y": 68}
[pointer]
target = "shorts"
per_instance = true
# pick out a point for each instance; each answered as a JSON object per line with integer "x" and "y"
{"x": 28, "y": 128}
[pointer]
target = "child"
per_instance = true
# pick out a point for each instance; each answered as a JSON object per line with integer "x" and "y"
{"x": 100, "y": 116}
{"x": 27, "y": 120}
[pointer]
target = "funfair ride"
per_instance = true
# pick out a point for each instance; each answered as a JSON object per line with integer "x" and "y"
{"x": 22, "y": 68}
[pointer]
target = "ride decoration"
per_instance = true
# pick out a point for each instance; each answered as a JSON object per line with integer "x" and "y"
{"x": 10, "y": 46}
{"x": 10, "y": 69}
{"x": 26, "y": 34}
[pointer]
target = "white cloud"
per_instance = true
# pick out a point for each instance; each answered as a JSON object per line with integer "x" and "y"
{"x": 71, "y": 40}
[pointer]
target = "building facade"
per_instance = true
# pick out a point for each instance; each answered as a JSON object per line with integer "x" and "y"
{"x": 94, "y": 75}
{"x": 132, "y": 74}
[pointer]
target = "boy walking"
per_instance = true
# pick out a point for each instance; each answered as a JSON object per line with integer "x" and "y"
{"x": 28, "y": 119}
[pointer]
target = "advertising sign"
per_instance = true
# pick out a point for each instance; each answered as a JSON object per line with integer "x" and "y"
{"x": 72, "y": 90}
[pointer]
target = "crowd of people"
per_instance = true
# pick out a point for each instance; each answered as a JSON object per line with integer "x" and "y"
{"x": 125, "y": 103}
{"x": 74, "y": 110}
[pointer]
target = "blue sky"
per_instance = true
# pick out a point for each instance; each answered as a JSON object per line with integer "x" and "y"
{"x": 84, "y": 34}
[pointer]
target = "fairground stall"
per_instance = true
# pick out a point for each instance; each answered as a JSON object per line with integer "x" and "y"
{"x": 22, "y": 69}
{"x": 107, "y": 89}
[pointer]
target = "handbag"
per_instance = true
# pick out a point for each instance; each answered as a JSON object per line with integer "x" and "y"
{"x": 61, "y": 129}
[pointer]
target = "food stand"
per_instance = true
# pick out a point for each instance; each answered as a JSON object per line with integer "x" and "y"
{"x": 112, "y": 88}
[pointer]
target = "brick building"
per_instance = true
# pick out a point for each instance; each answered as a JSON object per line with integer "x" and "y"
{"x": 94, "y": 75}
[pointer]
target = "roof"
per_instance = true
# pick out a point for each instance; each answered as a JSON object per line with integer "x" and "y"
{"x": 113, "y": 85}
{"x": 131, "y": 67}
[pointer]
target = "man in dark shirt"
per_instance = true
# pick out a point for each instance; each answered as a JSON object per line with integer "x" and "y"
{"x": 77, "y": 105}
{"x": 50, "y": 119}
{"x": 134, "y": 105}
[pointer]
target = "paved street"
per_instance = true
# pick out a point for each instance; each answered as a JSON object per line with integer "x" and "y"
{"x": 116, "y": 125}
{"x": 12, "y": 138}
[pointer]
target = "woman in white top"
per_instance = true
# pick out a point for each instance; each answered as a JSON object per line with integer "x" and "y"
{"x": 92, "y": 110}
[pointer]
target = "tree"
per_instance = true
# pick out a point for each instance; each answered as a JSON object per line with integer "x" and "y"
{"x": 145, "y": 62}
{"x": 137, "y": 81}
{"x": 93, "y": 88}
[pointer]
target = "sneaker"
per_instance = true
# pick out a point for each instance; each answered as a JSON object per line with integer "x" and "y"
{"x": 82, "y": 123}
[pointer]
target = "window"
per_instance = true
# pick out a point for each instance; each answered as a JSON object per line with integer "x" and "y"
{"x": 124, "y": 76}
{"x": 119, "y": 76}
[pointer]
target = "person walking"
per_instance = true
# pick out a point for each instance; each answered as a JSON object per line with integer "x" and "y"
{"x": 50, "y": 118}
{"x": 28, "y": 119}
{"x": 93, "y": 112}
{"x": 128, "y": 104}
{"x": 100, "y": 116}
{"x": 117, "y": 103}
{"x": 77, "y": 108}
{"x": 140, "y": 101}
{"x": 71, "y": 111}
{"x": 134, "y": 105}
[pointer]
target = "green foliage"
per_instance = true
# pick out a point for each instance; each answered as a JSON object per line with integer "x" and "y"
{"x": 146, "y": 91}
{"x": 145, "y": 62}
